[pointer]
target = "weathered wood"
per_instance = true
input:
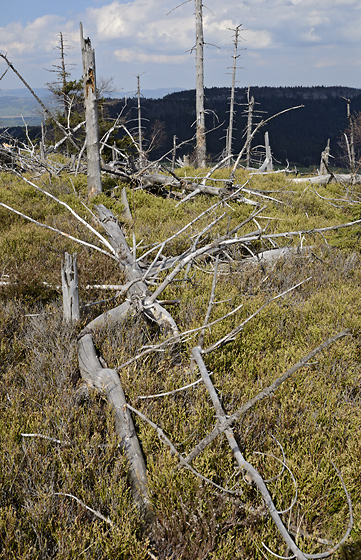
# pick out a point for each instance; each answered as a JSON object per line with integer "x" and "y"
{"x": 126, "y": 214}
{"x": 344, "y": 178}
{"x": 91, "y": 115}
{"x": 249, "y": 129}
{"x": 229, "y": 137}
{"x": 200, "y": 120}
{"x": 108, "y": 380}
{"x": 324, "y": 159}
{"x": 268, "y": 160}
{"x": 70, "y": 288}
{"x": 138, "y": 291}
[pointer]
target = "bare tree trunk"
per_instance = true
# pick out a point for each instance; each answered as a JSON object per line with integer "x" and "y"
{"x": 200, "y": 121}
{"x": 70, "y": 287}
{"x": 229, "y": 138}
{"x": 249, "y": 129}
{"x": 63, "y": 72}
{"x": 324, "y": 159}
{"x": 126, "y": 214}
{"x": 91, "y": 115}
{"x": 174, "y": 152}
{"x": 140, "y": 138}
{"x": 351, "y": 145}
{"x": 269, "y": 162}
{"x": 42, "y": 142}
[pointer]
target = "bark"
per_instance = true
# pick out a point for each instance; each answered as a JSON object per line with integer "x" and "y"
{"x": 324, "y": 159}
{"x": 229, "y": 139}
{"x": 200, "y": 120}
{"x": 91, "y": 115}
{"x": 70, "y": 287}
{"x": 108, "y": 380}
{"x": 249, "y": 129}
{"x": 347, "y": 179}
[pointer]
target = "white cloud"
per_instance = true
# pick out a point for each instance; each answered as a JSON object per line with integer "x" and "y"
{"x": 283, "y": 35}
{"x": 131, "y": 56}
{"x": 42, "y": 34}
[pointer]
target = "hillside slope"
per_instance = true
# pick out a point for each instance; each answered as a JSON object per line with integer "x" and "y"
{"x": 64, "y": 487}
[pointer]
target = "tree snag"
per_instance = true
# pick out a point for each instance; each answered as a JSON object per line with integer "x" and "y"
{"x": 91, "y": 115}
{"x": 200, "y": 121}
{"x": 70, "y": 287}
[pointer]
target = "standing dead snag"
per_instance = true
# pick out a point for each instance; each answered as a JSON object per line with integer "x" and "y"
{"x": 229, "y": 137}
{"x": 200, "y": 120}
{"x": 70, "y": 287}
{"x": 91, "y": 115}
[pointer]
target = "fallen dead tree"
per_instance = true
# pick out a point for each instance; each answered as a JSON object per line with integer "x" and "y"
{"x": 343, "y": 178}
{"x": 140, "y": 301}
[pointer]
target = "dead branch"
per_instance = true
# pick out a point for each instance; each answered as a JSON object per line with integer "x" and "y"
{"x": 94, "y": 511}
{"x": 343, "y": 178}
{"x": 253, "y": 473}
{"x": 45, "y": 109}
{"x": 57, "y": 231}
{"x": 108, "y": 380}
{"x": 173, "y": 450}
{"x": 252, "y": 135}
{"x": 268, "y": 391}
{"x": 242, "y": 463}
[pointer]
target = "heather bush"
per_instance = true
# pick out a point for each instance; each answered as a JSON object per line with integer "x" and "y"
{"x": 315, "y": 417}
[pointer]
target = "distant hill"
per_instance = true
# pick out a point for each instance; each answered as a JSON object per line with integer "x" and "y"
{"x": 298, "y": 136}
{"x": 18, "y": 104}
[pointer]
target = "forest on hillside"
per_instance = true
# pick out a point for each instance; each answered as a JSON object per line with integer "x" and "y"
{"x": 297, "y": 137}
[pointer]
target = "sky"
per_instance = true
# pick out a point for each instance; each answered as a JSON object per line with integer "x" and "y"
{"x": 283, "y": 42}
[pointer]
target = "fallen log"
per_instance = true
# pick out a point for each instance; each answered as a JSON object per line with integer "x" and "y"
{"x": 108, "y": 380}
{"x": 346, "y": 178}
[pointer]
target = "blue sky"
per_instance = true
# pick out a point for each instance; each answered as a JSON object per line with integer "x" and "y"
{"x": 286, "y": 42}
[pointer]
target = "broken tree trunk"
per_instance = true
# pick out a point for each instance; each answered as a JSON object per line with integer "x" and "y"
{"x": 249, "y": 129}
{"x": 138, "y": 292}
{"x": 269, "y": 162}
{"x": 70, "y": 287}
{"x": 91, "y": 115}
{"x": 140, "y": 139}
{"x": 324, "y": 159}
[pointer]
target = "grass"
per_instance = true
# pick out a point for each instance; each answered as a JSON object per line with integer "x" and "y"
{"x": 315, "y": 416}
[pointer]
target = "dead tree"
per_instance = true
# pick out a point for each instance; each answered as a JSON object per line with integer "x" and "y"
{"x": 140, "y": 301}
{"x": 70, "y": 287}
{"x": 91, "y": 115}
{"x": 200, "y": 117}
{"x": 268, "y": 160}
{"x": 324, "y": 159}
{"x": 49, "y": 114}
{"x": 140, "y": 135}
{"x": 249, "y": 128}
{"x": 350, "y": 140}
{"x": 229, "y": 137}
